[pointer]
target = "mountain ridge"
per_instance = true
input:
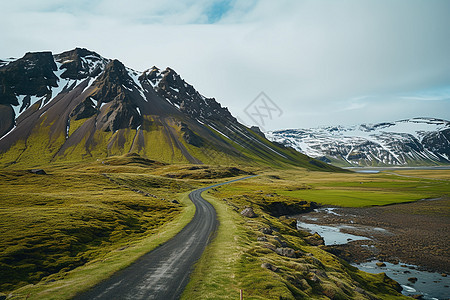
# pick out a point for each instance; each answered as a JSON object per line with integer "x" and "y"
{"x": 78, "y": 105}
{"x": 409, "y": 142}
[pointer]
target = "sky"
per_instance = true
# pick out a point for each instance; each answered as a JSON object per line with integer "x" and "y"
{"x": 277, "y": 64}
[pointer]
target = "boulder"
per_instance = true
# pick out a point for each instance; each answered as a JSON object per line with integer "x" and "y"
{"x": 412, "y": 279}
{"x": 286, "y": 251}
{"x": 381, "y": 264}
{"x": 38, "y": 171}
{"x": 248, "y": 212}
{"x": 314, "y": 240}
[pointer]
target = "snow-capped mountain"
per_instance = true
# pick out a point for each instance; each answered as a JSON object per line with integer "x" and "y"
{"x": 417, "y": 141}
{"x": 79, "y": 105}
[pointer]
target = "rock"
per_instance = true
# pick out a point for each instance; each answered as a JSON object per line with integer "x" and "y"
{"x": 313, "y": 277}
{"x": 412, "y": 279}
{"x": 38, "y": 171}
{"x": 190, "y": 137}
{"x": 444, "y": 275}
{"x": 381, "y": 264}
{"x": 314, "y": 240}
{"x": 269, "y": 267}
{"x": 249, "y": 213}
{"x": 261, "y": 239}
{"x": 288, "y": 252}
{"x": 282, "y": 243}
{"x": 85, "y": 109}
{"x": 420, "y": 297}
{"x": 266, "y": 230}
{"x": 258, "y": 131}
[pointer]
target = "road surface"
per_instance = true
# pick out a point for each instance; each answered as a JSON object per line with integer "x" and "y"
{"x": 164, "y": 272}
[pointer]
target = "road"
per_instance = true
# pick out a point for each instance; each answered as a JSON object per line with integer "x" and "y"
{"x": 164, "y": 272}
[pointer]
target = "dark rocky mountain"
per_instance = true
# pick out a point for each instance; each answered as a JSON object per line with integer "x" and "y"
{"x": 411, "y": 142}
{"x": 78, "y": 105}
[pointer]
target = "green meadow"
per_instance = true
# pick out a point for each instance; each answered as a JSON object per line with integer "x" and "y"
{"x": 63, "y": 232}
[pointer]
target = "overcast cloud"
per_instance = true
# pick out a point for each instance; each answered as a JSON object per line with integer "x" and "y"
{"x": 321, "y": 62}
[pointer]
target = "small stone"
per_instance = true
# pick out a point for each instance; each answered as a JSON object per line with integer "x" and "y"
{"x": 261, "y": 239}
{"x": 412, "y": 279}
{"x": 444, "y": 275}
{"x": 381, "y": 264}
{"x": 249, "y": 213}
{"x": 269, "y": 267}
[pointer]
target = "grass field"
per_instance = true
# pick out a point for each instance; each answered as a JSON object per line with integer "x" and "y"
{"x": 51, "y": 225}
{"x": 61, "y": 233}
{"x": 233, "y": 260}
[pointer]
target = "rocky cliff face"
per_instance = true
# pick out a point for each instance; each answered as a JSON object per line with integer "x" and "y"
{"x": 79, "y": 105}
{"x": 415, "y": 142}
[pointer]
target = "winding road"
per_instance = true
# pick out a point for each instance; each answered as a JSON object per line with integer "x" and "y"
{"x": 164, "y": 272}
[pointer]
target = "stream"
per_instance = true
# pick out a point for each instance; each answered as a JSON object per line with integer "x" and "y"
{"x": 432, "y": 286}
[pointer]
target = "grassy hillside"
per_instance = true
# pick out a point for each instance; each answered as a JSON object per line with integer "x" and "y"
{"x": 159, "y": 138}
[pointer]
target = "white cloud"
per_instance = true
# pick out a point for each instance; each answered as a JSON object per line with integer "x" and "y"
{"x": 313, "y": 58}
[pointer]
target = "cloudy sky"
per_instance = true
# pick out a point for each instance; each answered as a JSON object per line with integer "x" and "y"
{"x": 320, "y": 62}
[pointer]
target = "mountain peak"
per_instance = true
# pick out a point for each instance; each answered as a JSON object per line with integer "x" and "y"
{"x": 92, "y": 107}
{"x": 416, "y": 141}
{"x": 80, "y": 63}
{"x": 30, "y": 75}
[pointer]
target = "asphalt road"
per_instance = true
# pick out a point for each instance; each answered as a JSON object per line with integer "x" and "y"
{"x": 164, "y": 272}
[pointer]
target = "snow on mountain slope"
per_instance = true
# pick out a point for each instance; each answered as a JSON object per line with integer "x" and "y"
{"x": 417, "y": 141}
{"x": 79, "y": 105}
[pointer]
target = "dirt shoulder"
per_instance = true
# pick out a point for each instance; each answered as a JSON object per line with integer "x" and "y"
{"x": 416, "y": 233}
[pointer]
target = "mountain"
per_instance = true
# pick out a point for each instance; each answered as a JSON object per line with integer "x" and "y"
{"x": 411, "y": 142}
{"x": 78, "y": 105}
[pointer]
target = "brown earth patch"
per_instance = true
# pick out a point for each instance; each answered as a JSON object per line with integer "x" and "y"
{"x": 416, "y": 233}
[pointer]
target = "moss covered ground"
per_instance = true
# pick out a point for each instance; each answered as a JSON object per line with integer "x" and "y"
{"x": 63, "y": 232}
